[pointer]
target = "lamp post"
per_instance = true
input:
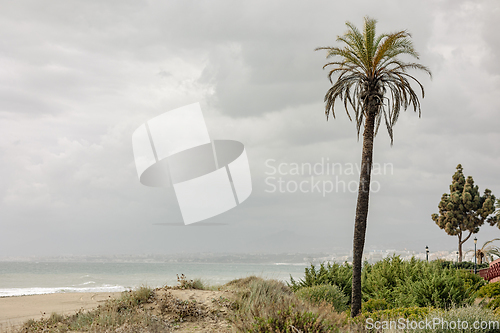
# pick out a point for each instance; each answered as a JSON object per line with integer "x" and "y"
{"x": 457, "y": 258}
{"x": 475, "y": 256}
{"x": 427, "y": 253}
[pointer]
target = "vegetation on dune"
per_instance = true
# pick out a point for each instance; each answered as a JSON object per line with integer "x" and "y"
{"x": 184, "y": 283}
{"x": 400, "y": 283}
{"x": 271, "y": 306}
{"x": 330, "y": 294}
{"x": 114, "y": 313}
{"x": 257, "y": 305}
{"x": 374, "y": 81}
{"x": 141, "y": 310}
{"x": 464, "y": 209}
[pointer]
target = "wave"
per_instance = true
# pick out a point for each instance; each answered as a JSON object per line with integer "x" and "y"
{"x": 88, "y": 282}
{"x": 8, "y": 292}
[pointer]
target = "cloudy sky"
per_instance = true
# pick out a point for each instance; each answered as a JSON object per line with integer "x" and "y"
{"x": 78, "y": 77}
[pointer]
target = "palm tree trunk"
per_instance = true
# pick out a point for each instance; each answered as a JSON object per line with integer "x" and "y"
{"x": 362, "y": 212}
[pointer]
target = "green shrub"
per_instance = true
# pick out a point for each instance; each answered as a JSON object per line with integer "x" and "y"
{"x": 442, "y": 290}
{"x": 401, "y": 283}
{"x": 385, "y": 278}
{"x": 441, "y": 318}
{"x": 184, "y": 283}
{"x": 472, "y": 281}
{"x": 331, "y": 273}
{"x": 411, "y": 313}
{"x": 494, "y": 304}
{"x": 374, "y": 305}
{"x": 462, "y": 265}
{"x": 490, "y": 290}
{"x": 469, "y": 314}
{"x": 136, "y": 297}
{"x": 324, "y": 293}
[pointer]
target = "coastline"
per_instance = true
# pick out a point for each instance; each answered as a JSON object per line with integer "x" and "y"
{"x": 15, "y": 310}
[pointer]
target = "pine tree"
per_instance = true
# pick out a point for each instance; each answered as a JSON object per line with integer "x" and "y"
{"x": 496, "y": 220}
{"x": 464, "y": 210}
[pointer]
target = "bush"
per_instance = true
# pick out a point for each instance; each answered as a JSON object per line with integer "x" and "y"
{"x": 184, "y": 283}
{"x": 331, "y": 273}
{"x": 138, "y": 296}
{"x": 324, "y": 293}
{"x": 411, "y": 313}
{"x": 390, "y": 278}
{"x": 490, "y": 290}
{"x": 401, "y": 283}
{"x": 439, "y": 290}
{"x": 469, "y": 314}
{"x": 374, "y": 305}
{"x": 494, "y": 304}
{"x": 472, "y": 281}
{"x": 462, "y": 265}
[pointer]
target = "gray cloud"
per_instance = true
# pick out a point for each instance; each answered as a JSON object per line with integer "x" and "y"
{"x": 78, "y": 79}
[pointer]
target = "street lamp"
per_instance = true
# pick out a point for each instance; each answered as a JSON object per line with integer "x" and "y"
{"x": 457, "y": 258}
{"x": 427, "y": 252}
{"x": 475, "y": 256}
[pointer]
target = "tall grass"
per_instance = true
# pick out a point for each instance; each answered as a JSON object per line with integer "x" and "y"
{"x": 271, "y": 306}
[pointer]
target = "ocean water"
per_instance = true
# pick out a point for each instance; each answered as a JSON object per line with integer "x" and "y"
{"x": 30, "y": 278}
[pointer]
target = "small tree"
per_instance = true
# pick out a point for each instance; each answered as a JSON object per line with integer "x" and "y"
{"x": 464, "y": 210}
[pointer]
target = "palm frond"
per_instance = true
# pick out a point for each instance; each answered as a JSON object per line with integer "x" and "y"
{"x": 370, "y": 69}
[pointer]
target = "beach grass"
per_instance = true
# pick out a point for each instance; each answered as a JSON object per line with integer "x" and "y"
{"x": 251, "y": 304}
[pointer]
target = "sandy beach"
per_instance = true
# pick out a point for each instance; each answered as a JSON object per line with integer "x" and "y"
{"x": 16, "y": 310}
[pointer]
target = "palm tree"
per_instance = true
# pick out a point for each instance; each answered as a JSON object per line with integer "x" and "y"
{"x": 487, "y": 252}
{"x": 375, "y": 83}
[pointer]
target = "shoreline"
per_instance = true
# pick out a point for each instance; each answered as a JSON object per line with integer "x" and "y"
{"x": 48, "y": 291}
{"x": 15, "y": 310}
{"x": 69, "y": 292}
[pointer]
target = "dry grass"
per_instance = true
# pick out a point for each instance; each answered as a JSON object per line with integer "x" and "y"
{"x": 126, "y": 312}
{"x": 271, "y": 306}
{"x": 144, "y": 310}
{"x": 245, "y": 305}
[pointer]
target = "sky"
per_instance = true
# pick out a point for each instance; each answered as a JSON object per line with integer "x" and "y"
{"x": 77, "y": 78}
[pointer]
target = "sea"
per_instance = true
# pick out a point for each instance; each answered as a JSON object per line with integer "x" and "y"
{"x": 31, "y": 278}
